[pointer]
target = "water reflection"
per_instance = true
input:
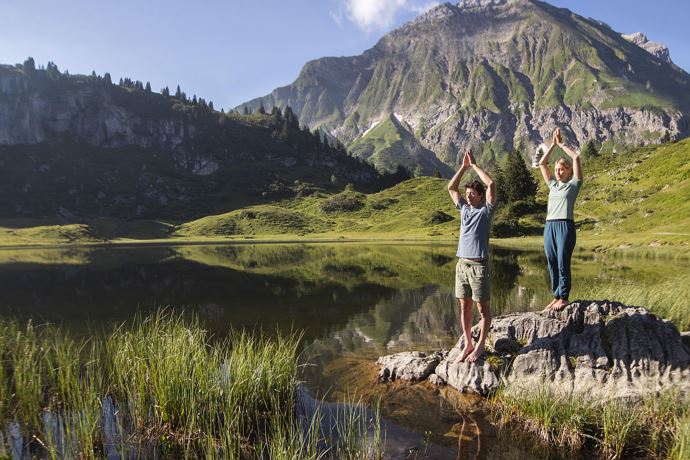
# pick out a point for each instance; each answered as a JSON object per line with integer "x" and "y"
{"x": 353, "y": 302}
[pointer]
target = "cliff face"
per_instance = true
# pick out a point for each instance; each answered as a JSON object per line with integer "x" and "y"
{"x": 495, "y": 73}
{"x": 79, "y": 145}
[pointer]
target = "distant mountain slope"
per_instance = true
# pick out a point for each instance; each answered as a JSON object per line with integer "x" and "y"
{"x": 389, "y": 144}
{"x": 494, "y": 74}
{"x": 640, "y": 198}
{"x": 75, "y": 145}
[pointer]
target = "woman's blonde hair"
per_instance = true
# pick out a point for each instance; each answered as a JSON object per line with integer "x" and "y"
{"x": 565, "y": 161}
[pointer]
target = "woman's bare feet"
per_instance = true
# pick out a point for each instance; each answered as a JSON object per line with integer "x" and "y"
{"x": 559, "y": 305}
{"x": 465, "y": 352}
{"x": 548, "y": 307}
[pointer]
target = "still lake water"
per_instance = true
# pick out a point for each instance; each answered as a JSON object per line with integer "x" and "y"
{"x": 354, "y": 302}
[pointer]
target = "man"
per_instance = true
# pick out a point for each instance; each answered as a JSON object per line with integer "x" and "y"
{"x": 472, "y": 276}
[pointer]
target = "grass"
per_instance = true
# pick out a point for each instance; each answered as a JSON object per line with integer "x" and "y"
{"x": 632, "y": 202}
{"x": 172, "y": 385}
{"x": 656, "y": 426}
{"x": 668, "y": 299}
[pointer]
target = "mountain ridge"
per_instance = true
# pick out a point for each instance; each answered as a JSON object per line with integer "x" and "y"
{"x": 496, "y": 74}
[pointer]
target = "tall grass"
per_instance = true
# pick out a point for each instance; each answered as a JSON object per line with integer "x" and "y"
{"x": 166, "y": 383}
{"x": 668, "y": 299}
{"x": 657, "y": 425}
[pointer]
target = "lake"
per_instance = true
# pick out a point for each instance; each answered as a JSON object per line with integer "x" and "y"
{"x": 353, "y": 302}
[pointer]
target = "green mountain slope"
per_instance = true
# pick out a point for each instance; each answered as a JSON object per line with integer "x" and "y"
{"x": 75, "y": 147}
{"x": 389, "y": 144}
{"x": 639, "y": 199}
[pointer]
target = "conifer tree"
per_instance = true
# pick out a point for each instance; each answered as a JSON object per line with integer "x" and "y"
{"x": 148, "y": 87}
{"x": 107, "y": 79}
{"x": 165, "y": 91}
{"x": 261, "y": 108}
{"x": 246, "y": 110}
{"x": 521, "y": 185}
{"x": 590, "y": 149}
{"x": 29, "y": 65}
{"x": 210, "y": 105}
{"x": 178, "y": 92}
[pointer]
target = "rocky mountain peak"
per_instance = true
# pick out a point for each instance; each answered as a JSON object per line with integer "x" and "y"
{"x": 483, "y": 3}
{"x": 657, "y": 49}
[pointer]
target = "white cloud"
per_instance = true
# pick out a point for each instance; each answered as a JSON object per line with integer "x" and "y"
{"x": 381, "y": 14}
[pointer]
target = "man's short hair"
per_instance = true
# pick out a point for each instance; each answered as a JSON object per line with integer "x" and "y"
{"x": 476, "y": 185}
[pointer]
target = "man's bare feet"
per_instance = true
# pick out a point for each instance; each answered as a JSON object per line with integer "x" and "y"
{"x": 465, "y": 352}
{"x": 559, "y": 305}
{"x": 476, "y": 354}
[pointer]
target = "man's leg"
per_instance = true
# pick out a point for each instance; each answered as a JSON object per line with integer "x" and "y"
{"x": 485, "y": 324}
{"x": 466, "y": 323}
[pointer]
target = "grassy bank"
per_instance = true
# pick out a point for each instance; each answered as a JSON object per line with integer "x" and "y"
{"x": 658, "y": 426}
{"x": 162, "y": 384}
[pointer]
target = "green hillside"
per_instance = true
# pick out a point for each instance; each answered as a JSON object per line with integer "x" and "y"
{"x": 637, "y": 200}
{"x": 389, "y": 144}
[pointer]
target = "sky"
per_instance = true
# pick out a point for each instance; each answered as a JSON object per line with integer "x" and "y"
{"x": 231, "y": 51}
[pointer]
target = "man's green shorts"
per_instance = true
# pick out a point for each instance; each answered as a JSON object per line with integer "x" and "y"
{"x": 473, "y": 279}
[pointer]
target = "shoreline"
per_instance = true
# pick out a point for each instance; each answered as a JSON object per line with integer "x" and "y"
{"x": 680, "y": 250}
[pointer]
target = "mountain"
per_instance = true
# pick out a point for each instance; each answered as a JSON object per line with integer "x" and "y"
{"x": 389, "y": 143}
{"x": 76, "y": 145}
{"x": 494, "y": 74}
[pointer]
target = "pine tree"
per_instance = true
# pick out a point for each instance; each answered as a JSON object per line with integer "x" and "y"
{"x": 666, "y": 138}
{"x": 29, "y": 65}
{"x": 590, "y": 149}
{"x": 210, "y": 105}
{"x": 178, "y": 92}
{"x": 148, "y": 87}
{"x": 519, "y": 183}
{"x": 246, "y": 110}
{"x": 165, "y": 91}
{"x": 107, "y": 79}
{"x": 261, "y": 108}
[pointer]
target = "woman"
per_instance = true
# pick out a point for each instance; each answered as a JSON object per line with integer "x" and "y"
{"x": 559, "y": 230}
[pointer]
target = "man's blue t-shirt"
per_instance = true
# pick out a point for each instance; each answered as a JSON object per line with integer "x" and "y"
{"x": 474, "y": 230}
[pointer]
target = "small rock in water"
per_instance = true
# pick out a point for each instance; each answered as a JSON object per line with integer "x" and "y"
{"x": 408, "y": 365}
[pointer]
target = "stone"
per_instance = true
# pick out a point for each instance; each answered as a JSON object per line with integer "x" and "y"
{"x": 599, "y": 348}
{"x": 408, "y": 365}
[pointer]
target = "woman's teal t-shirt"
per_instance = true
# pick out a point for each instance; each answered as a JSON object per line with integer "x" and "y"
{"x": 562, "y": 199}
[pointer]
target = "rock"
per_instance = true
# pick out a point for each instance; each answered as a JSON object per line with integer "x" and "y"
{"x": 657, "y": 49}
{"x": 481, "y": 377}
{"x": 434, "y": 379}
{"x": 604, "y": 349}
{"x": 408, "y": 365}
{"x": 685, "y": 338}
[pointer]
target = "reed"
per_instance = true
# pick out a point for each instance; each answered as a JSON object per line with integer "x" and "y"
{"x": 175, "y": 388}
{"x": 657, "y": 425}
{"x": 667, "y": 299}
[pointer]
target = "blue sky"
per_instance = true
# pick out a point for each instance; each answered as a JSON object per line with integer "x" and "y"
{"x": 234, "y": 50}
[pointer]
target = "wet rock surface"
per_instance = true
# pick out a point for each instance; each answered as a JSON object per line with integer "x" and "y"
{"x": 604, "y": 349}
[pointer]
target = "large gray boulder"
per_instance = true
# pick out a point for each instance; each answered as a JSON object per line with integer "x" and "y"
{"x": 604, "y": 349}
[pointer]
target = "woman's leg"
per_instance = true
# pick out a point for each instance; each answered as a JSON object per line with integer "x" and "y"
{"x": 566, "y": 245}
{"x": 551, "y": 255}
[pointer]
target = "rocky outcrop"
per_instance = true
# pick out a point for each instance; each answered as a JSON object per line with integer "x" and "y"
{"x": 656, "y": 49}
{"x": 602, "y": 349}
